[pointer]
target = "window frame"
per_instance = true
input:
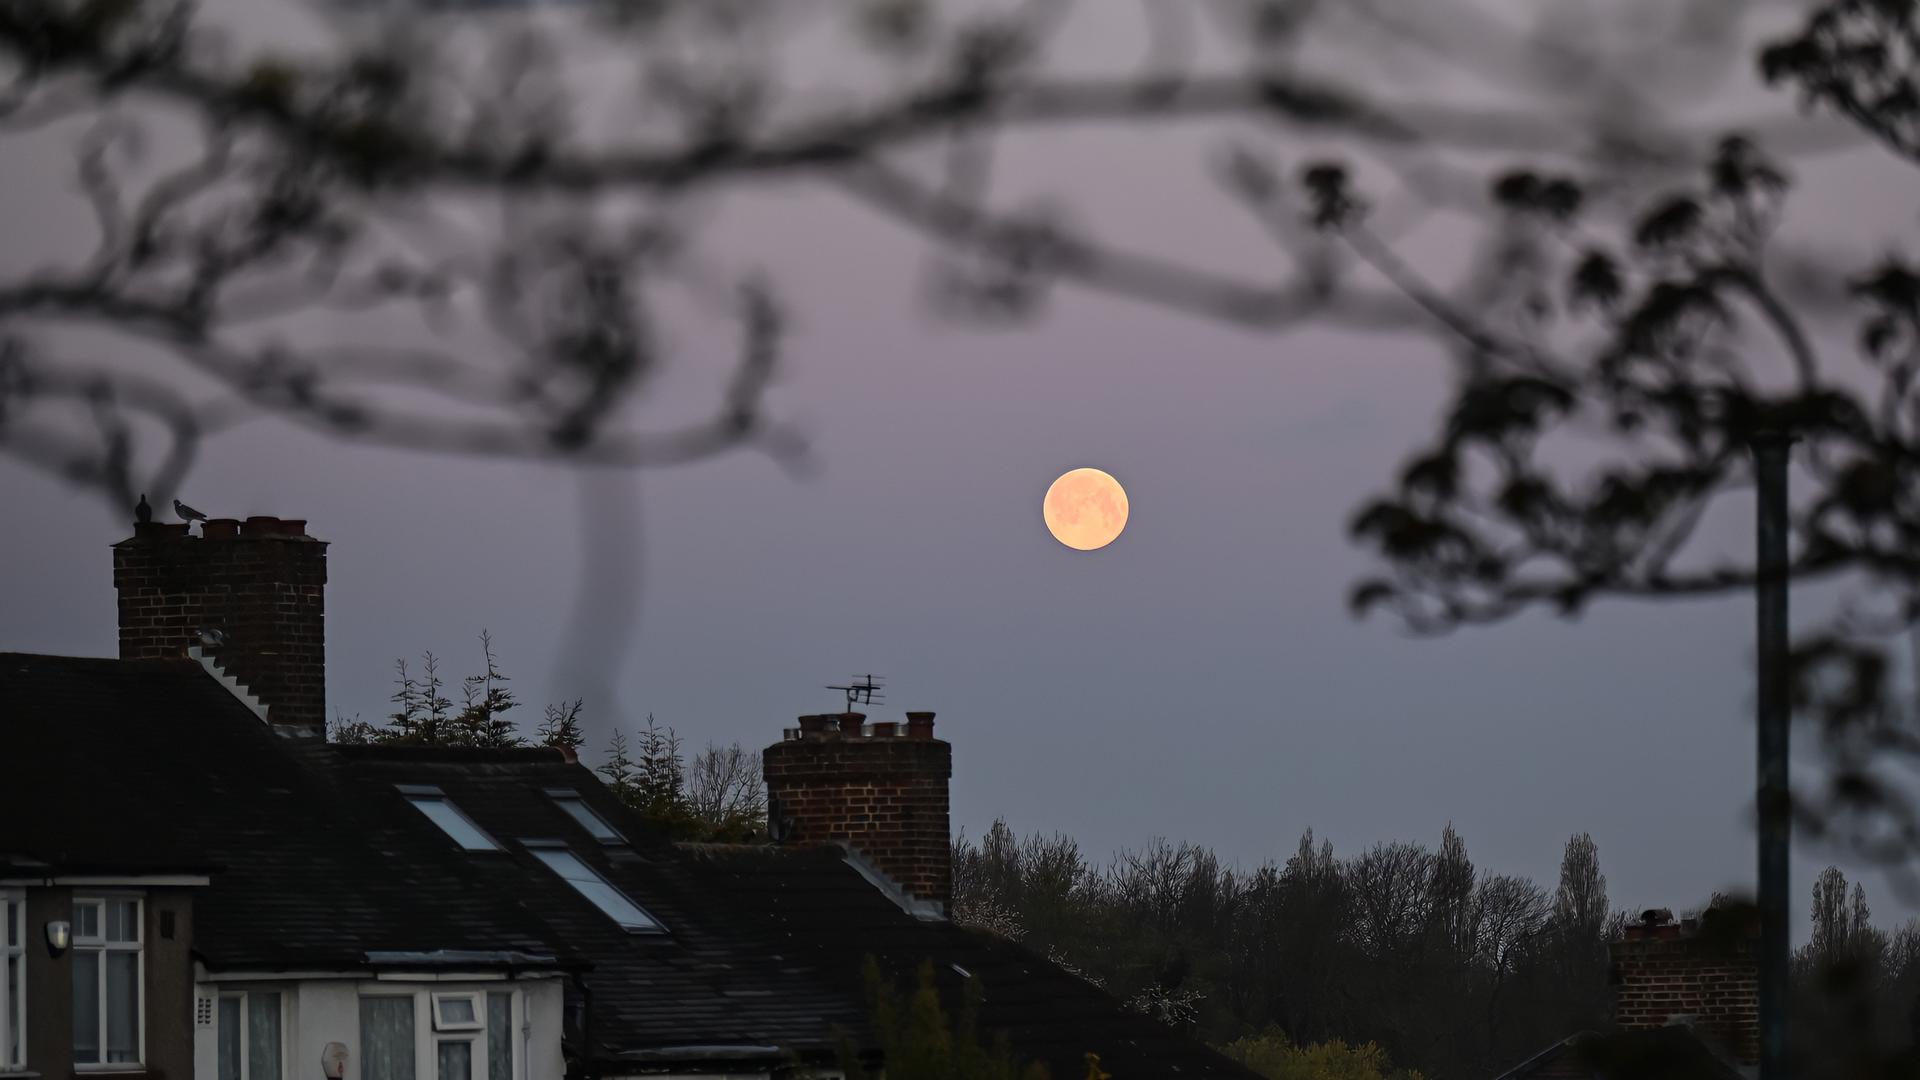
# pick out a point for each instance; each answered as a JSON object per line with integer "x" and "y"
{"x": 222, "y": 993}
{"x": 101, "y": 947}
{"x": 473, "y": 997}
{"x": 575, "y": 806}
{"x": 476, "y": 1053}
{"x": 428, "y": 1034}
{"x": 541, "y": 849}
{"x": 416, "y": 794}
{"x": 13, "y": 1006}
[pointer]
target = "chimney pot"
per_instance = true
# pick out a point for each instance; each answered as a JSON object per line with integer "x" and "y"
{"x": 885, "y": 729}
{"x": 919, "y": 725}
{"x": 813, "y": 725}
{"x": 220, "y": 528}
{"x": 293, "y": 527}
{"x": 851, "y": 724}
{"x": 260, "y": 525}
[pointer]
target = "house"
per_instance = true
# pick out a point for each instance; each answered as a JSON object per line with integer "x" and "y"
{"x": 1686, "y": 1007}
{"x": 196, "y": 884}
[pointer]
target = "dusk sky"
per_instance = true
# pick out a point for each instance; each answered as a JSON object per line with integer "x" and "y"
{"x": 1199, "y": 679}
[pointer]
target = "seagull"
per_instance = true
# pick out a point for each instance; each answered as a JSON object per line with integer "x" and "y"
{"x": 187, "y": 513}
{"x": 212, "y": 637}
{"x": 142, "y": 512}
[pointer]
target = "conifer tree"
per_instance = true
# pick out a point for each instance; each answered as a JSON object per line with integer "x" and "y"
{"x": 660, "y": 789}
{"x": 486, "y": 701}
{"x": 618, "y": 770}
{"x": 560, "y": 726}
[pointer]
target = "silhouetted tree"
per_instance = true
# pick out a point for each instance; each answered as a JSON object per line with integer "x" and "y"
{"x": 725, "y": 791}
{"x": 919, "y": 1040}
{"x": 1383, "y": 948}
{"x": 560, "y": 726}
{"x": 483, "y": 719}
{"x": 618, "y": 771}
{"x": 424, "y": 716}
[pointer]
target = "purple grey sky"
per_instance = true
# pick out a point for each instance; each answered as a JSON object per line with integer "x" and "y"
{"x": 1199, "y": 679}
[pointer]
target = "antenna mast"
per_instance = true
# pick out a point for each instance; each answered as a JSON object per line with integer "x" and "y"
{"x": 862, "y": 690}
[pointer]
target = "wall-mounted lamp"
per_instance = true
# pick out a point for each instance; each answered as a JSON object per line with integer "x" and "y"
{"x": 59, "y": 936}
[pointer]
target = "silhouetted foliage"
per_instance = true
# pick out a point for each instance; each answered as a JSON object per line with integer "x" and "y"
{"x": 560, "y": 726}
{"x": 721, "y": 799}
{"x": 919, "y": 1040}
{"x": 1400, "y": 957}
{"x": 425, "y": 716}
{"x": 1442, "y": 967}
{"x": 1857, "y": 988}
{"x": 724, "y": 789}
{"x": 1276, "y": 1057}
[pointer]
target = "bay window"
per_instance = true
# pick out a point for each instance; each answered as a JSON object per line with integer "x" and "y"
{"x": 249, "y": 1036}
{"x": 13, "y": 981}
{"x": 107, "y": 972}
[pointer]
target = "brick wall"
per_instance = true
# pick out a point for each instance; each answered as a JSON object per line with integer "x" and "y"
{"x": 261, "y": 582}
{"x": 879, "y": 788}
{"x": 1704, "y": 975}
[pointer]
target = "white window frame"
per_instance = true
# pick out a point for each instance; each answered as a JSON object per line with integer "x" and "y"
{"x": 428, "y": 1033}
{"x": 476, "y": 1001}
{"x": 222, "y": 993}
{"x": 13, "y": 1007}
{"x": 101, "y": 946}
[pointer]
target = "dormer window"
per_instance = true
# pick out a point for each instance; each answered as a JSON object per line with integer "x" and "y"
{"x": 440, "y": 810}
{"x": 576, "y": 807}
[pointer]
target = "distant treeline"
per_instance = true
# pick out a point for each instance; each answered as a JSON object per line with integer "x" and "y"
{"x": 1448, "y": 969}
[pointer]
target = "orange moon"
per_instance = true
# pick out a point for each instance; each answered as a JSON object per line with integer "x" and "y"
{"x": 1086, "y": 509}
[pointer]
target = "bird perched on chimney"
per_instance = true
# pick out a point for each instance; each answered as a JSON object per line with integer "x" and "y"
{"x": 187, "y": 513}
{"x": 142, "y": 512}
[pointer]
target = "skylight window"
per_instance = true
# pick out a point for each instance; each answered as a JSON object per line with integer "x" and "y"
{"x": 577, "y": 809}
{"x": 443, "y": 813}
{"x": 596, "y": 889}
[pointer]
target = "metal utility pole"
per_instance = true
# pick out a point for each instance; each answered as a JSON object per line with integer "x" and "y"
{"x": 1775, "y": 714}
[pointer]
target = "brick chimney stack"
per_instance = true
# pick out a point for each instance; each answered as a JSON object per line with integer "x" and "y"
{"x": 260, "y": 582}
{"x": 879, "y": 788}
{"x": 1703, "y": 973}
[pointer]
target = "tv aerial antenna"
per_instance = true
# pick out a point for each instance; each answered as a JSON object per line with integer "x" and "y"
{"x": 862, "y": 690}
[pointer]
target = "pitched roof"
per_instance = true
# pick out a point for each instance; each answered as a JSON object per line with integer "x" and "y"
{"x": 765, "y": 946}
{"x": 318, "y": 862}
{"x": 1669, "y": 1053}
{"x": 152, "y": 765}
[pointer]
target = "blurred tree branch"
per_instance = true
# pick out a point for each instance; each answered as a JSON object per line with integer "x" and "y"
{"x": 312, "y": 164}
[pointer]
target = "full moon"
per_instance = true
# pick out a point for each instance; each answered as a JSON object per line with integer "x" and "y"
{"x": 1085, "y": 509}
